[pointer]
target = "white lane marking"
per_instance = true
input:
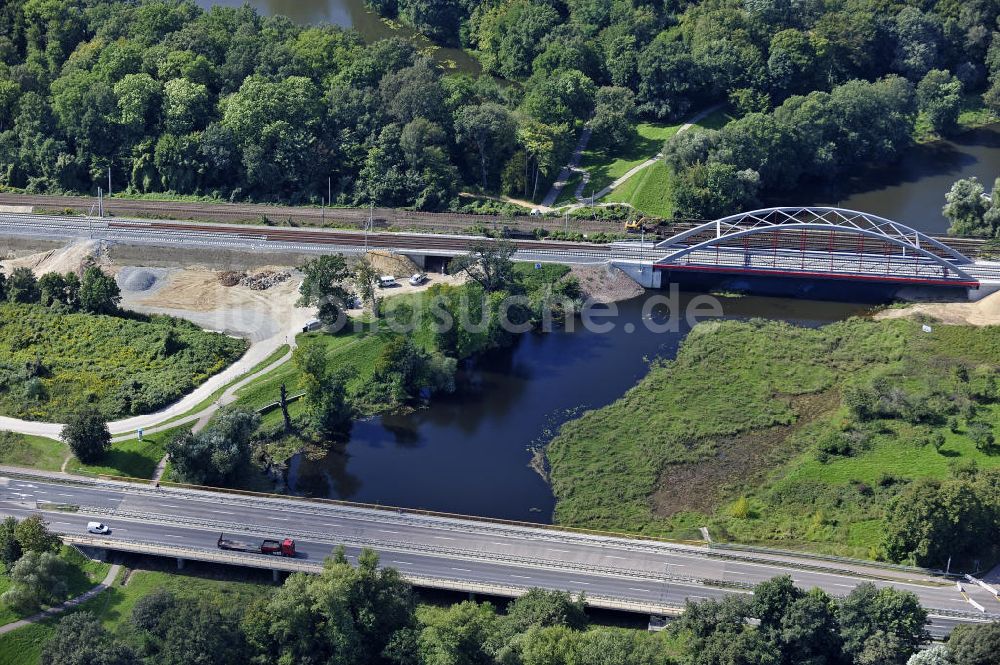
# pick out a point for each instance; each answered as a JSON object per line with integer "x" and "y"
{"x": 174, "y": 535}
{"x": 575, "y": 582}
{"x": 498, "y": 543}
{"x": 693, "y": 596}
{"x": 283, "y": 519}
{"x": 611, "y": 556}
{"x": 167, "y": 505}
{"x": 222, "y": 512}
{"x": 387, "y": 531}
{"x": 552, "y": 549}
{"x": 464, "y": 570}
{"x": 60, "y": 494}
{"x": 679, "y": 565}
{"x": 40, "y": 492}
{"x": 442, "y": 538}
{"x": 64, "y": 523}
{"x": 642, "y": 590}
{"x": 330, "y": 524}
{"x": 521, "y": 577}
{"x": 403, "y": 563}
{"x": 849, "y": 586}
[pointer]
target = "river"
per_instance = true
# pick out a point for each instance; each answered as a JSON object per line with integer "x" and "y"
{"x": 352, "y": 14}
{"x": 469, "y": 453}
{"x": 912, "y": 191}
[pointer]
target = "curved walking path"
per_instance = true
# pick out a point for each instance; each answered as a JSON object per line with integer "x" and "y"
{"x": 258, "y": 352}
{"x": 573, "y": 167}
{"x": 109, "y": 579}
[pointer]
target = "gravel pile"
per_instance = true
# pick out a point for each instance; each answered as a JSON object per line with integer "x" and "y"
{"x": 260, "y": 281}
{"x": 139, "y": 280}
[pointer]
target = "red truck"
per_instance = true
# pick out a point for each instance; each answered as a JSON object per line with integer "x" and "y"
{"x": 270, "y": 546}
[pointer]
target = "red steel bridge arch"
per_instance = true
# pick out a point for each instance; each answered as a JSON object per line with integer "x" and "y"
{"x": 816, "y": 242}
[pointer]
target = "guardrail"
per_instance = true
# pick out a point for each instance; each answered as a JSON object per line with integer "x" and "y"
{"x": 830, "y": 557}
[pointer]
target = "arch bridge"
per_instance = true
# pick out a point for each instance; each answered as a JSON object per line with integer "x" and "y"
{"x": 815, "y": 242}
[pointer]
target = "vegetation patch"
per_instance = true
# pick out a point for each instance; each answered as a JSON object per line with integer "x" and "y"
{"x": 821, "y": 438}
{"x": 130, "y": 458}
{"x": 36, "y": 452}
{"x": 53, "y": 362}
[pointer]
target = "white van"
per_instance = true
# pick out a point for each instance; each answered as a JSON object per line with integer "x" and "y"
{"x": 98, "y": 527}
{"x": 386, "y": 281}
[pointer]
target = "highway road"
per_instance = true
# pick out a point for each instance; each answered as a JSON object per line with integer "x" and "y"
{"x": 459, "y": 552}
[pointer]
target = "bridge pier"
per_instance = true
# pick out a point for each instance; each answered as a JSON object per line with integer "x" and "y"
{"x": 180, "y": 563}
{"x": 275, "y": 575}
{"x": 643, "y": 274}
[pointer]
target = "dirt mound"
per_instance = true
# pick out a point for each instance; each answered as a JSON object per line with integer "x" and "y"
{"x": 606, "y": 283}
{"x": 71, "y": 258}
{"x": 387, "y": 263}
{"x": 231, "y": 277}
{"x": 258, "y": 281}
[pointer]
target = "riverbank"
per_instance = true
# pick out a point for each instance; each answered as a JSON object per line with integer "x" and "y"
{"x": 749, "y": 433}
{"x": 985, "y": 312}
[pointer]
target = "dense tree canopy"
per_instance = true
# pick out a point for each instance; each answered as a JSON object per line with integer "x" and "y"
{"x": 227, "y": 103}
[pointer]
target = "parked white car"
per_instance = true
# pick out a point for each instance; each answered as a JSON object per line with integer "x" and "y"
{"x": 418, "y": 279}
{"x": 98, "y": 527}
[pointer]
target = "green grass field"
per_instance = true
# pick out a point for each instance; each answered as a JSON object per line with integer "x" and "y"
{"x": 52, "y": 363}
{"x": 131, "y": 458}
{"x": 607, "y": 166}
{"x": 35, "y": 452}
{"x": 649, "y": 190}
{"x": 741, "y": 412}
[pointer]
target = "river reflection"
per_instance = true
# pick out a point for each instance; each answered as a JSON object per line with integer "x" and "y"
{"x": 912, "y": 191}
{"x": 469, "y": 453}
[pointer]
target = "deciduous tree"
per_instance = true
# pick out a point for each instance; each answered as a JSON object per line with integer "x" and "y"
{"x": 87, "y": 435}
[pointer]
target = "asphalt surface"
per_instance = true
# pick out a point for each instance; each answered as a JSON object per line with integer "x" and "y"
{"x": 463, "y": 550}
{"x": 264, "y": 238}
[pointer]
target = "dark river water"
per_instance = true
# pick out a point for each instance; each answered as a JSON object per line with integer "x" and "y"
{"x": 470, "y": 453}
{"x": 912, "y": 191}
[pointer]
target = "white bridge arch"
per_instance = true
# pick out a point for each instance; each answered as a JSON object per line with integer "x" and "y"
{"x": 810, "y": 240}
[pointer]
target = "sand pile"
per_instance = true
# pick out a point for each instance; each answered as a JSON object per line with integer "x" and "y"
{"x": 71, "y": 258}
{"x": 387, "y": 263}
{"x": 985, "y": 312}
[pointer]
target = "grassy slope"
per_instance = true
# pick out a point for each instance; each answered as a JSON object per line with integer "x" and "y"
{"x": 87, "y": 359}
{"x": 36, "y": 452}
{"x": 132, "y": 458}
{"x": 649, "y": 190}
{"x": 742, "y": 379}
{"x": 607, "y": 166}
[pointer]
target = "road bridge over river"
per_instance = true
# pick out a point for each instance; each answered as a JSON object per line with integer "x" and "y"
{"x": 450, "y": 552}
{"x": 802, "y": 242}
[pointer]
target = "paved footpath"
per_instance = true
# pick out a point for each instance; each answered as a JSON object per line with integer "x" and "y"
{"x": 109, "y": 579}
